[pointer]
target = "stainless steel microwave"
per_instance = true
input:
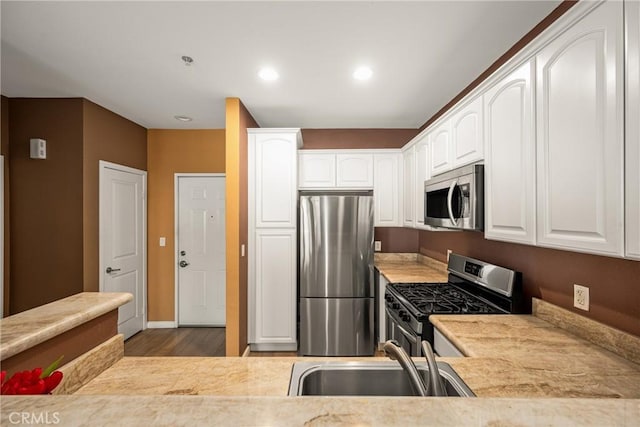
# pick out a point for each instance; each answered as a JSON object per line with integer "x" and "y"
{"x": 455, "y": 199}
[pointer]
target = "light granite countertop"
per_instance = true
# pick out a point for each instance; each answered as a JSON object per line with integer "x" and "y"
{"x": 29, "y": 328}
{"x": 410, "y": 268}
{"x": 320, "y": 411}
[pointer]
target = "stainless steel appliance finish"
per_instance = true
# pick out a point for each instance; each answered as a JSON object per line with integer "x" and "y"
{"x": 455, "y": 199}
{"x": 336, "y": 326}
{"x": 473, "y": 287}
{"x": 336, "y": 274}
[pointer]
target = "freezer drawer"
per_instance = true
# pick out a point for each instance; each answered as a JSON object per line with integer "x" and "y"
{"x": 336, "y": 326}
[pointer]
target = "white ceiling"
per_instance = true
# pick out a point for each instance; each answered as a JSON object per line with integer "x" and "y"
{"x": 125, "y": 56}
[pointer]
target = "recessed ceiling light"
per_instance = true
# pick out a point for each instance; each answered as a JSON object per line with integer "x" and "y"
{"x": 362, "y": 73}
{"x": 187, "y": 60}
{"x": 183, "y": 118}
{"x": 268, "y": 74}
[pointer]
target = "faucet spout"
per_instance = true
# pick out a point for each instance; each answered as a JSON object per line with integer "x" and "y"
{"x": 394, "y": 351}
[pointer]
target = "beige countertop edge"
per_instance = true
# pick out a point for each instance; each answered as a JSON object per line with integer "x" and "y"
{"x": 27, "y": 329}
{"x": 319, "y": 411}
{"x": 405, "y": 268}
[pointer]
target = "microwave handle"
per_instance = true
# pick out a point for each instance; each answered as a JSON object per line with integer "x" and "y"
{"x": 449, "y": 207}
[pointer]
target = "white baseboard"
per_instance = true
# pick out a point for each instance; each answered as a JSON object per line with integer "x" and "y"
{"x": 164, "y": 324}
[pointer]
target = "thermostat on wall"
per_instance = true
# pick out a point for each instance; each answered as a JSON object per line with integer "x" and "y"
{"x": 38, "y": 148}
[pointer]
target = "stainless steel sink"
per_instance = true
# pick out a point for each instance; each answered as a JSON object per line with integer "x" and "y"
{"x": 365, "y": 379}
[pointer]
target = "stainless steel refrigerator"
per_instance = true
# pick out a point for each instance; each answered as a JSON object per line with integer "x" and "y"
{"x": 336, "y": 296}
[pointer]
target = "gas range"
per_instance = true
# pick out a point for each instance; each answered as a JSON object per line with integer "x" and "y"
{"x": 473, "y": 287}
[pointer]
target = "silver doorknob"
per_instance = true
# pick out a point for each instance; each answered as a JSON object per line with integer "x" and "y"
{"x": 183, "y": 263}
{"x": 112, "y": 270}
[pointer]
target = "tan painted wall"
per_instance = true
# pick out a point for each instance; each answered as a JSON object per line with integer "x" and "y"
{"x": 110, "y": 137}
{"x": 170, "y": 152}
{"x": 238, "y": 119}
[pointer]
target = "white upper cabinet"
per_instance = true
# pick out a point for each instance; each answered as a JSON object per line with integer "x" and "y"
{"x": 510, "y": 158}
{"x": 386, "y": 189}
{"x": 422, "y": 174}
{"x": 632, "y": 140}
{"x": 274, "y": 181}
{"x": 408, "y": 185}
{"x": 466, "y": 131}
{"x": 316, "y": 170}
{"x": 440, "y": 142}
{"x": 335, "y": 169}
{"x": 580, "y": 135}
{"x": 354, "y": 170}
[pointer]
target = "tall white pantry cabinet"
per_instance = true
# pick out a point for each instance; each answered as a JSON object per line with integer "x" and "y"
{"x": 272, "y": 233}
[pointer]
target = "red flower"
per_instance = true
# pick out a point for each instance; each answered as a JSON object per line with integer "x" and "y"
{"x": 32, "y": 382}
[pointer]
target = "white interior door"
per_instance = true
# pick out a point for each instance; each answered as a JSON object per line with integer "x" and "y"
{"x": 201, "y": 251}
{"x": 122, "y": 241}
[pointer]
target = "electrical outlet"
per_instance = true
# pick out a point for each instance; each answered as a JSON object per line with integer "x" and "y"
{"x": 581, "y": 297}
{"x": 377, "y": 246}
{"x": 448, "y": 253}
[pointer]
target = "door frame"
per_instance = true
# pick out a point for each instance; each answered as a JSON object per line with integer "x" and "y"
{"x": 102, "y": 166}
{"x": 176, "y": 208}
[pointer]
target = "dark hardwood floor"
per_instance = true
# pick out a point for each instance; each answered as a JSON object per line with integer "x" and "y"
{"x": 177, "y": 342}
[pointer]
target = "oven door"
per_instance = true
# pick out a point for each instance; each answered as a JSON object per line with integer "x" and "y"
{"x": 402, "y": 333}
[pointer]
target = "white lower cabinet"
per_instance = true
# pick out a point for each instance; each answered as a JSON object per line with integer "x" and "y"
{"x": 580, "y": 149}
{"x": 275, "y": 290}
{"x": 386, "y": 190}
{"x": 509, "y": 172}
{"x": 632, "y": 137}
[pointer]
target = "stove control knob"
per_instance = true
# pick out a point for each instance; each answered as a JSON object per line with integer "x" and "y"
{"x": 395, "y": 305}
{"x": 388, "y": 298}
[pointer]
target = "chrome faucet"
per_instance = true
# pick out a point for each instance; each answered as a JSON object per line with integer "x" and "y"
{"x": 433, "y": 386}
{"x": 394, "y": 352}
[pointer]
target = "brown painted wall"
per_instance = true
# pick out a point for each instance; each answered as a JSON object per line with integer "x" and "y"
{"x": 4, "y": 150}
{"x": 46, "y": 202}
{"x": 238, "y": 119}
{"x": 614, "y": 284}
{"x": 398, "y": 240}
{"x": 170, "y": 152}
{"x": 356, "y": 138}
{"x": 110, "y": 137}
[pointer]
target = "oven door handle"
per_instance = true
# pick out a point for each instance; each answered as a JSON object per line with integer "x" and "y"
{"x": 411, "y": 337}
{"x": 453, "y": 219}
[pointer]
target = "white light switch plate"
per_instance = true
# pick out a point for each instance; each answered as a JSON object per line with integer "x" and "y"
{"x": 377, "y": 246}
{"x": 163, "y": 241}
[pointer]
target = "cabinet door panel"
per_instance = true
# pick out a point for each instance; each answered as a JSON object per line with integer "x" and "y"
{"x": 354, "y": 170}
{"x": 408, "y": 170}
{"x": 580, "y": 147}
{"x": 422, "y": 174}
{"x": 275, "y": 286}
{"x": 275, "y": 180}
{"x": 510, "y": 159}
{"x": 632, "y": 140}
{"x": 316, "y": 170}
{"x": 466, "y": 128}
{"x": 386, "y": 190}
{"x": 441, "y": 148}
